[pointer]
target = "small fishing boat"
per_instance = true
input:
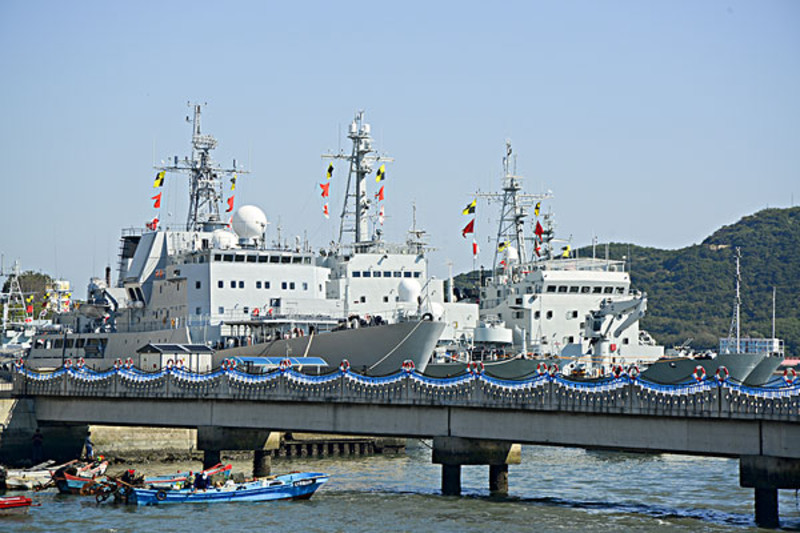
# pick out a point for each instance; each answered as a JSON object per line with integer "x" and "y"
{"x": 80, "y": 478}
{"x": 121, "y": 487}
{"x": 34, "y": 478}
{"x": 14, "y": 505}
{"x": 294, "y": 486}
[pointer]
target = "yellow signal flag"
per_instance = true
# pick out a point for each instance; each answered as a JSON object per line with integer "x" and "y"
{"x": 470, "y": 209}
{"x": 330, "y": 171}
{"x": 29, "y": 299}
{"x": 381, "y": 175}
{"x": 536, "y": 209}
{"x": 233, "y": 182}
{"x": 567, "y": 249}
{"x": 159, "y": 179}
{"x": 502, "y": 246}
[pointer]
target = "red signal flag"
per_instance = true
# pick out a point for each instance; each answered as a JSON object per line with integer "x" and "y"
{"x": 157, "y": 199}
{"x": 230, "y": 204}
{"x": 469, "y": 228}
{"x": 326, "y": 189}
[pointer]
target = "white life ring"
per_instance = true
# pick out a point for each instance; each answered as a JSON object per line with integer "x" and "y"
{"x": 722, "y": 374}
{"x": 699, "y": 373}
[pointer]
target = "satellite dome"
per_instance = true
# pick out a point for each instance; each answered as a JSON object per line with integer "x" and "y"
{"x": 249, "y": 222}
{"x": 223, "y": 239}
{"x": 408, "y": 290}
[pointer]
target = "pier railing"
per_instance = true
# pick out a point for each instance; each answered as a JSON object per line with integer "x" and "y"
{"x": 623, "y": 395}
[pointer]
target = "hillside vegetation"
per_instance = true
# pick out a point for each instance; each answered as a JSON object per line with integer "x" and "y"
{"x": 691, "y": 290}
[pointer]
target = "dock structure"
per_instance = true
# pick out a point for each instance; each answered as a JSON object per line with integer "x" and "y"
{"x": 472, "y": 419}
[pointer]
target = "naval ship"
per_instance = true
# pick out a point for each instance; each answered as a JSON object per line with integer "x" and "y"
{"x": 218, "y": 283}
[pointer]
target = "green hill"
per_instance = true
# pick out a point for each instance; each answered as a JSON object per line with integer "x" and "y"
{"x": 691, "y": 290}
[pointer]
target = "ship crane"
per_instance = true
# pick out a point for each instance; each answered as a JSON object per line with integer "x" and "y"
{"x": 598, "y": 324}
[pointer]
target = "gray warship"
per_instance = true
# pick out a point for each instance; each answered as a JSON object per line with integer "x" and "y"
{"x": 220, "y": 284}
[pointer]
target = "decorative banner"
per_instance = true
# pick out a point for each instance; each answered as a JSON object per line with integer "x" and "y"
{"x": 330, "y": 171}
{"x": 157, "y": 199}
{"x": 469, "y": 228}
{"x": 325, "y": 211}
{"x": 326, "y": 189}
{"x": 233, "y": 182}
{"x": 381, "y": 175}
{"x": 536, "y": 209}
{"x": 470, "y": 209}
{"x": 379, "y": 194}
{"x": 230, "y": 204}
{"x": 159, "y": 179}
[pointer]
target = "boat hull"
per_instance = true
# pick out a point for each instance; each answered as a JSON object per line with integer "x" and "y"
{"x": 516, "y": 368}
{"x": 669, "y": 371}
{"x": 375, "y": 350}
{"x": 14, "y": 505}
{"x": 288, "y": 487}
{"x": 764, "y": 371}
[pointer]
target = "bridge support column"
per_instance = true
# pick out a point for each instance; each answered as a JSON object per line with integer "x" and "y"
{"x": 262, "y": 463}
{"x": 454, "y": 452}
{"x": 766, "y": 475}
{"x": 211, "y": 458}
{"x": 498, "y": 480}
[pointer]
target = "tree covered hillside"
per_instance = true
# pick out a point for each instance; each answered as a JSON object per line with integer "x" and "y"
{"x": 691, "y": 290}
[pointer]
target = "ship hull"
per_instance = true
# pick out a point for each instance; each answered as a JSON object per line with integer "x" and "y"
{"x": 516, "y": 368}
{"x": 669, "y": 371}
{"x": 374, "y": 350}
{"x": 764, "y": 371}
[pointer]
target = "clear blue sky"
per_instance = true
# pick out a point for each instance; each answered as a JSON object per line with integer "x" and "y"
{"x": 651, "y": 122}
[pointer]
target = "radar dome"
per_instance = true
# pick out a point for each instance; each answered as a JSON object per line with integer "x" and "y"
{"x": 408, "y": 290}
{"x": 249, "y": 222}
{"x": 223, "y": 240}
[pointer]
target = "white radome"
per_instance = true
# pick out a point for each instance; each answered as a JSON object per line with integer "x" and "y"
{"x": 249, "y": 222}
{"x": 408, "y": 290}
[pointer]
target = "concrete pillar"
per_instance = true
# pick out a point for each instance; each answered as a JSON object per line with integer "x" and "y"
{"x": 767, "y": 508}
{"x": 451, "y": 480}
{"x": 211, "y": 458}
{"x": 262, "y": 463}
{"x": 498, "y": 480}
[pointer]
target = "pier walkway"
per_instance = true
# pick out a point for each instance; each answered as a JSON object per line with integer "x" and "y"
{"x": 473, "y": 418}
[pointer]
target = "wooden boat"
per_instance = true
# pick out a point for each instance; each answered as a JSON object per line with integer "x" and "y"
{"x": 33, "y": 478}
{"x": 121, "y": 489}
{"x": 81, "y": 478}
{"x": 14, "y": 505}
{"x": 295, "y": 486}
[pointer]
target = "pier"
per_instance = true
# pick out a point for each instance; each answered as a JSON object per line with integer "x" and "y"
{"x": 472, "y": 419}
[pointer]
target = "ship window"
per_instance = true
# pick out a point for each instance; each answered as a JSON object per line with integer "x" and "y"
{"x": 574, "y": 288}
{"x": 307, "y": 260}
{"x": 291, "y": 285}
{"x": 574, "y": 314}
{"x": 233, "y": 284}
{"x": 367, "y": 274}
{"x": 283, "y": 285}
{"x": 376, "y": 274}
{"x": 275, "y": 302}
{"x": 220, "y": 284}
{"x": 387, "y": 274}
{"x": 585, "y": 290}
{"x": 597, "y": 290}
{"x": 519, "y": 314}
{"x": 198, "y": 284}
{"x": 305, "y": 286}
{"x": 519, "y": 301}
{"x": 263, "y": 258}
{"x": 252, "y": 258}
{"x": 499, "y": 293}
{"x": 297, "y": 260}
{"x": 608, "y": 290}
{"x": 160, "y": 289}
{"x": 620, "y": 290}
{"x": 385, "y": 299}
{"x": 562, "y": 288}
{"x": 417, "y": 274}
{"x": 239, "y": 259}
{"x": 274, "y": 259}
{"x": 58, "y": 343}
{"x": 228, "y": 258}
{"x": 356, "y": 274}
{"x": 241, "y": 284}
{"x": 197, "y": 310}
{"x": 537, "y": 315}
{"x": 398, "y": 274}
{"x": 528, "y": 290}
{"x": 258, "y": 284}
{"x": 551, "y": 288}
{"x": 549, "y": 315}
{"x": 571, "y": 339}
{"x": 221, "y": 310}
{"x": 202, "y": 259}
{"x": 79, "y": 343}
{"x": 625, "y": 341}
{"x": 286, "y": 259}
{"x": 217, "y": 257}
{"x": 363, "y": 299}
{"x": 246, "y": 310}
{"x": 266, "y": 284}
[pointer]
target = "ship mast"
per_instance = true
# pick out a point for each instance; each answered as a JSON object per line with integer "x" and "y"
{"x": 737, "y": 304}
{"x": 205, "y": 178}
{"x": 355, "y": 209}
{"x": 511, "y": 229}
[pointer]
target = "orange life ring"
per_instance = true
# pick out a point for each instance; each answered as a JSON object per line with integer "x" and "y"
{"x": 633, "y": 371}
{"x": 789, "y": 376}
{"x": 699, "y": 373}
{"x": 344, "y": 366}
{"x": 68, "y": 363}
{"x": 722, "y": 374}
{"x": 553, "y": 370}
{"x": 541, "y": 368}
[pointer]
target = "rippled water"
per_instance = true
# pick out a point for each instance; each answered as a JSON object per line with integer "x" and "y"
{"x": 554, "y": 489}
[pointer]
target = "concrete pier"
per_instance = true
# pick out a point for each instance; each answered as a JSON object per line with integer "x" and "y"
{"x": 766, "y": 475}
{"x": 211, "y": 458}
{"x": 453, "y": 452}
{"x": 262, "y": 463}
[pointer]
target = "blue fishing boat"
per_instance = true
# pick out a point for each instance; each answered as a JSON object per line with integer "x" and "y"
{"x": 295, "y": 486}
